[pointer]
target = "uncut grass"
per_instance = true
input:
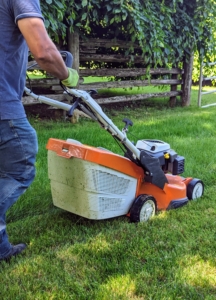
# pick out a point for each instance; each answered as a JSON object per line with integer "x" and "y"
{"x": 69, "y": 257}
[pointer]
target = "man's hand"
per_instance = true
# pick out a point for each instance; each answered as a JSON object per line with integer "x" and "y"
{"x": 72, "y": 79}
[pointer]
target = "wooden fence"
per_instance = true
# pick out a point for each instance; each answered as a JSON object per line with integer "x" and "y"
{"x": 179, "y": 80}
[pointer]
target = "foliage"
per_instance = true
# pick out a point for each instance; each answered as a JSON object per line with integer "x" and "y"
{"x": 53, "y": 12}
{"x": 209, "y": 70}
{"x": 165, "y": 30}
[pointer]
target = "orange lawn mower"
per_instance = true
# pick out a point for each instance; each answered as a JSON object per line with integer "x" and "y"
{"x": 96, "y": 183}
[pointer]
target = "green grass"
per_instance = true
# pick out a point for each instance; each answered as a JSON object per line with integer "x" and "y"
{"x": 170, "y": 257}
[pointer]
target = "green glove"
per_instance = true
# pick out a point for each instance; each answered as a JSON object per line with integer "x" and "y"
{"x": 72, "y": 79}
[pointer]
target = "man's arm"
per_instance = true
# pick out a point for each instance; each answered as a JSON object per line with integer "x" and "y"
{"x": 41, "y": 46}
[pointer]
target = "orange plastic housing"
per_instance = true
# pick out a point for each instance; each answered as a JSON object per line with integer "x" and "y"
{"x": 174, "y": 190}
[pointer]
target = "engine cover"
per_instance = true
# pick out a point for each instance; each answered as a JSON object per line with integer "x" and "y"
{"x": 152, "y": 146}
{"x": 168, "y": 159}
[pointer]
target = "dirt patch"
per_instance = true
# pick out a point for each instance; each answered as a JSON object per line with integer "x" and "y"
{"x": 44, "y": 111}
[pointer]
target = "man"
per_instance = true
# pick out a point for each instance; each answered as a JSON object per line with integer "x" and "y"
{"x": 21, "y": 28}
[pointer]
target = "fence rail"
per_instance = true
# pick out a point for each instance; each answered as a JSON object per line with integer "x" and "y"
{"x": 179, "y": 80}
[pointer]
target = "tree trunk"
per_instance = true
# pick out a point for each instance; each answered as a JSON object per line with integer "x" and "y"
{"x": 73, "y": 48}
{"x": 187, "y": 80}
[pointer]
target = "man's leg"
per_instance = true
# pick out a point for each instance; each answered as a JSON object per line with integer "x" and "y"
{"x": 18, "y": 149}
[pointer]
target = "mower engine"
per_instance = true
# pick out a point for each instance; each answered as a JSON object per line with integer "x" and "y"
{"x": 169, "y": 160}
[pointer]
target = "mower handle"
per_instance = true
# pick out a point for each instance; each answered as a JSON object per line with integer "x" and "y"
{"x": 68, "y": 58}
{"x": 65, "y": 54}
{"x": 97, "y": 114}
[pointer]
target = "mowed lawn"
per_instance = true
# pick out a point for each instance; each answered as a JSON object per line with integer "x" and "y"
{"x": 170, "y": 257}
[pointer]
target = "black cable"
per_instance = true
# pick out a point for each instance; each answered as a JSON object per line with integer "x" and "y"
{"x": 119, "y": 144}
{"x": 65, "y": 89}
{"x": 29, "y": 80}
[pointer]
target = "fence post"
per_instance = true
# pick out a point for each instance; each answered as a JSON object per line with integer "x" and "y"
{"x": 172, "y": 100}
{"x": 200, "y": 83}
{"x": 187, "y": 80}
{"x": 73, "y": 47}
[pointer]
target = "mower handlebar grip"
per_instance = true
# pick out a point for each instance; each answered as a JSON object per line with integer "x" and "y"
{"x": 68, "y": 58}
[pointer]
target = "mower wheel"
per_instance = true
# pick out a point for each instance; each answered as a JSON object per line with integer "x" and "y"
{"x": 195, "y": 189}
{"x": 143, "y": 208}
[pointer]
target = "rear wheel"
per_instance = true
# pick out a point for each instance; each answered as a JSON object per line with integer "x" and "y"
{"x": 143, "y": 208}
{"x": 195, "y": 189}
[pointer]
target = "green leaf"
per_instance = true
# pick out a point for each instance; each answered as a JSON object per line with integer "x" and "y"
{"x": 59, "y": 4}
{"x": 84, "y": 16}
{"x": 84, "y": 3}
{"x": 109, "y": 7}
{"x": 47, "y": 23}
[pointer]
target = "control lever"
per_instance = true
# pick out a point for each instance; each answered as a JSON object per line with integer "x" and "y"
{"x": 127, "y": 122}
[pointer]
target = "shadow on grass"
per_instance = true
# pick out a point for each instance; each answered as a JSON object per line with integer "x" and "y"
{"x": 112, "y": 259}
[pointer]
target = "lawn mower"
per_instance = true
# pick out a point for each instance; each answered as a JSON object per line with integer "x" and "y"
{"x": 95, "y": 183}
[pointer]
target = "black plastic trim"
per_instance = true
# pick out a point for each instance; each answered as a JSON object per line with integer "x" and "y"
{"x": 177, "y": 203}
{"x": 152, "y": 169}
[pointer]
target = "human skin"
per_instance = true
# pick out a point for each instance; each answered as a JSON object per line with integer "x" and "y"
{"x": 42, "y": 48}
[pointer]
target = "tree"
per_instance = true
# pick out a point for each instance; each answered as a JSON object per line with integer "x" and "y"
{"x": 166, "y": 30}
